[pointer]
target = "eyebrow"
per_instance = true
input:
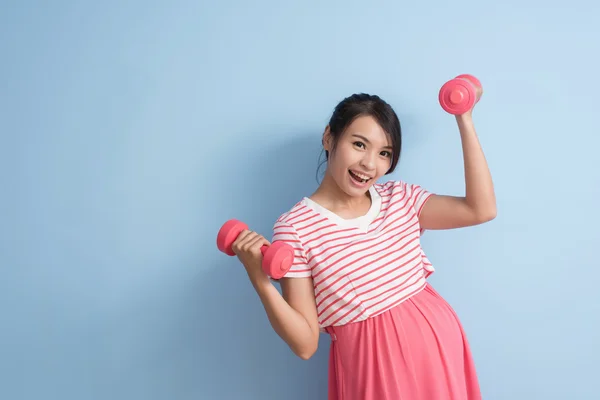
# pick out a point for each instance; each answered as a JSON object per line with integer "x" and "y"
{"x": 367, "y": 140}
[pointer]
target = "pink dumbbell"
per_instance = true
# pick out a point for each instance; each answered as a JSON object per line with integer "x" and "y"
{"x": 277, "y": 258}
{"x": 459, "y": 95}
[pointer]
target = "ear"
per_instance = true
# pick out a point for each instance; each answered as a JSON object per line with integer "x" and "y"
{"x": 327, "y": 139}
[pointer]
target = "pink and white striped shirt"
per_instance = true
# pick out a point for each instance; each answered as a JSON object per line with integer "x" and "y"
{"x": 363, "y": 266}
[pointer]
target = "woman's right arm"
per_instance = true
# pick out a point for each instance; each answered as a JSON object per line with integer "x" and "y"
{"x": 292, "y": 313}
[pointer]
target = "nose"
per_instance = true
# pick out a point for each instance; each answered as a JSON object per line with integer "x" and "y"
{"x": 368, "y": 161}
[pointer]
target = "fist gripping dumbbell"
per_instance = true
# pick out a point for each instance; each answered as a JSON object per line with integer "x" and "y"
{"x": 277, "y": 258}
{"x": 459, "y": 95}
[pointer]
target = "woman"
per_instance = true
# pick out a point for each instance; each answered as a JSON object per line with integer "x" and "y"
{"x": 360, "y": 273}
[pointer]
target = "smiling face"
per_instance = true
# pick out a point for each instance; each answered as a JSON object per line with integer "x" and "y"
{"x": 362, "y": 155}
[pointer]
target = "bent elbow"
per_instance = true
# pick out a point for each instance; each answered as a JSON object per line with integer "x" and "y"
{"x": 487, "y": 215}
{"x": 306, "y": 355}
{"x": 307, "y": 352}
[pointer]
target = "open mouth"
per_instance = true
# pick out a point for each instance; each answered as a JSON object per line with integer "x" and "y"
{"x": 359, "y": 178}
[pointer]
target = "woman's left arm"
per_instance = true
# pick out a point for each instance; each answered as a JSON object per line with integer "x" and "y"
{"x": 479, "y": 203}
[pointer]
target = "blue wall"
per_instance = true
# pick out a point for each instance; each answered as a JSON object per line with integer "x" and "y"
{"x": 132, "y": 130}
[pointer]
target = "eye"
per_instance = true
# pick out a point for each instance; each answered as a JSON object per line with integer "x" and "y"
{"x": 359, "y": 144}
{"x": 386, "y": 153}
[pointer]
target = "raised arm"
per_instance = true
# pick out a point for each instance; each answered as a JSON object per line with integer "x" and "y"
{"x": 478, "y": 205}
{"x": 292, "y": 314}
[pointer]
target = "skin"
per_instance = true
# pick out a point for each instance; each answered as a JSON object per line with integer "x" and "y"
{"x": 293, "y": 314}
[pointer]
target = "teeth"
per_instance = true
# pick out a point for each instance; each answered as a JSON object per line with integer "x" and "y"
{"x": 361, "y": 176}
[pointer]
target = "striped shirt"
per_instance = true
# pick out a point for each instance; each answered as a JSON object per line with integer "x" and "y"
{"x": 363, "y": 266}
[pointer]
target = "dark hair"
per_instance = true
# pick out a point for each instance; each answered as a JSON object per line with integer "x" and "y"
{"x": 362, "y": 104}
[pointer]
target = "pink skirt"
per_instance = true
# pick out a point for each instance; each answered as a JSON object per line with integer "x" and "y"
{"x": 415, "y": 351}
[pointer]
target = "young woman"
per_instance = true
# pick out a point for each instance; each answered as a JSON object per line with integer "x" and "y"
{"x": 360, "y": 273}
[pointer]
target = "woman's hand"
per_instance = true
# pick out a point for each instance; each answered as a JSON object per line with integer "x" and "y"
{"x": 247, "y": 248}
{"x": 469, "y": 114}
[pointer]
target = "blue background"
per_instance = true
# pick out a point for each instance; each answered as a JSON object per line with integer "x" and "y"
{"x": 130, "y": 131}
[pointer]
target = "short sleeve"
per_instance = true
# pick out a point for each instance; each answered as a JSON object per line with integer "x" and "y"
{"x": 417, "y": 197}
{"x": 285, "y": 232}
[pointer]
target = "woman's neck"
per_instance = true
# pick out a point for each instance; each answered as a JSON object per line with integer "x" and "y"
{"x": 330, "y": 196}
